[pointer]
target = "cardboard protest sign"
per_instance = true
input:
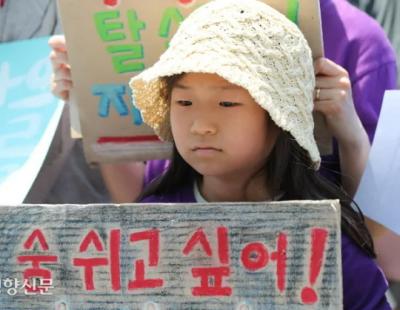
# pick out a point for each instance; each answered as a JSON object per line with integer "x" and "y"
{"x": 280, "y": 255}
{"x": 111, "y": 41}
{"x": 29, "y": 115}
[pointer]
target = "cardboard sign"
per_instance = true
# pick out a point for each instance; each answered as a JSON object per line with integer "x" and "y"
{"x": 111, "y": 41}
{"x": 172, "y": 256}
{"x": 29, "y": 115}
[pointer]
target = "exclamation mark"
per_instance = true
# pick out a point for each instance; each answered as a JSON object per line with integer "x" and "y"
{"x": 318, "y": 240}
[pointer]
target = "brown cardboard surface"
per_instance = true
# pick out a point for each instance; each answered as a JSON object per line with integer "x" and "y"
{"x": 172, "y": 256}
{"x": 115, "y": 137}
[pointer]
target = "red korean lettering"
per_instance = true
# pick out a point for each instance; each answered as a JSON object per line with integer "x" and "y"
{"x": 110, "y": 2}
{"x": 89, "y": 263}
{"x": 36, "y": 270}
{"x": 211, "y": 278}
{"x": 185, "y": 1}
{"x": 280, "y": 257}
{"x": 199, "y": 237}
{"x": 140, "y": 281}
{"x": 223, "y": 244}
{"x": 255, "y": 256}
{"x": 214, "y": 273}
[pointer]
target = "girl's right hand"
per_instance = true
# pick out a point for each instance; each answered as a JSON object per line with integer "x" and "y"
{"x": 61, "y": 81}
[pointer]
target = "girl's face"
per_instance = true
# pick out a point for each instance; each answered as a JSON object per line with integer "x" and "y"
{"x": 218, "y": 128}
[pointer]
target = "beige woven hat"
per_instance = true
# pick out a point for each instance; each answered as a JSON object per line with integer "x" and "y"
{"x": 249, "y": 44}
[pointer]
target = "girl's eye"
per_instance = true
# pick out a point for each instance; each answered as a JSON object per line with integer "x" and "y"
{"x": 228, "y": 104}
{"x": 184, "y": 102}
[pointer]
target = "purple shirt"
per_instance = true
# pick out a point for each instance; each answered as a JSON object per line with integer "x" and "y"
{"x": 364, "y": 284}
{"x": 355, "y": 41}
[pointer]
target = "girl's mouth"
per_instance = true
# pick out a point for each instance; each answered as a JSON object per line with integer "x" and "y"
{"x": 206, "y": 150}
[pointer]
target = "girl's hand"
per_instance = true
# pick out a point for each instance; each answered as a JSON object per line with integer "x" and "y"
{"x": 61, "y": 81}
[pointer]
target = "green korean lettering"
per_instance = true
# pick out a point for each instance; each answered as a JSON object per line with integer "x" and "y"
{"x": 170, "y": 15}
{"x": 123, "y": 63}
{"x": 293, "y": 8}
{"x": 135, "y": 25}
{"x": 106, "y": 28}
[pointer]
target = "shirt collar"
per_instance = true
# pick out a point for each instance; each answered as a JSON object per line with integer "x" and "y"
{"x": 197, "y": 195}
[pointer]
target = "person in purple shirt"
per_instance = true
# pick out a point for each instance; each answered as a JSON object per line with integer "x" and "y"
{"x": 243, "y": 130}
{"x": 356, "y": 42}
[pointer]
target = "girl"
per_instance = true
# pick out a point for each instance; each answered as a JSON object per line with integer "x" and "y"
{"x": 234, "y": 93}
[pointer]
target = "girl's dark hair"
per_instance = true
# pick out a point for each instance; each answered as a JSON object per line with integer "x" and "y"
{"x": 288, "y": 170}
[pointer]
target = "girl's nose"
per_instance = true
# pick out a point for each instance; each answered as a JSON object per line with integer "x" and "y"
{"x": 203, "y": 127}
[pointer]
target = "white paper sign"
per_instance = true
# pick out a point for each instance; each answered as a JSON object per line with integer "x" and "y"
{"x": 29, "y": 115}
{"x": 379, "y": 192}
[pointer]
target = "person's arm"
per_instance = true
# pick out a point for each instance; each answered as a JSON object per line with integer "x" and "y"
{"x": 124, "y": 181}
{"x": 333, "y": 98}
{"x": 353, "y": 155}
{"x": 336, "y": 104}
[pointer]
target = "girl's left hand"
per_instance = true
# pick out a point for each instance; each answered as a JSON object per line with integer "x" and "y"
{"x": 333, "y": 98}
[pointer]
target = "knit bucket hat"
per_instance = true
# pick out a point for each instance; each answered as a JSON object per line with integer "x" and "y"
{"x": 249, "y": 44}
